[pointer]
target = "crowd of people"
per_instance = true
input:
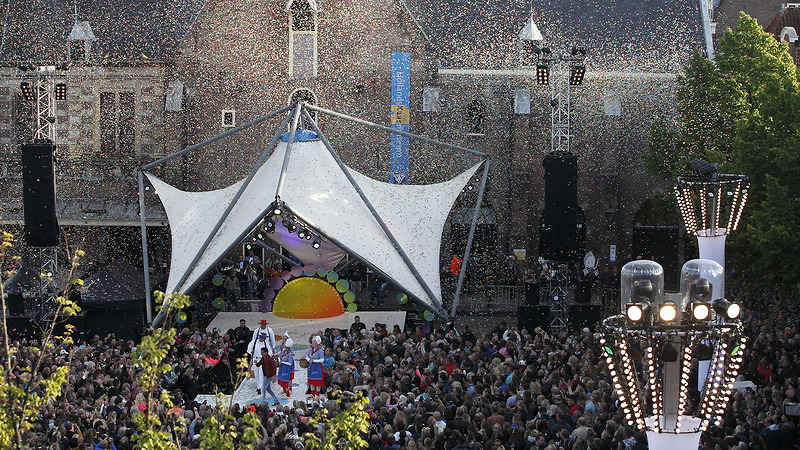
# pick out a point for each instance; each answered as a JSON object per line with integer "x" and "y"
{"x": 427, "y": 388}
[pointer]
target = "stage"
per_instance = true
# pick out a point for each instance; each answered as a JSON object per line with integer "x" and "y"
{"x": 300, "y": 330}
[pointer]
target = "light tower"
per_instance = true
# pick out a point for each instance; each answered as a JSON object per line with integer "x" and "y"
{"x": 668, "y": 330}
{"x": 711, "y": 205}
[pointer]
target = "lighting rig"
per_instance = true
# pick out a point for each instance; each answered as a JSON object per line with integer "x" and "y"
{"x": 711, "y": 205}
{"x": 280, "y": 215}
{"x": 668, "y": 329}
{"x": 570, "y": 65}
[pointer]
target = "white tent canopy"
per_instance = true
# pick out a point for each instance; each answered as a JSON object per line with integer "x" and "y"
{"x": 317, "y": 191}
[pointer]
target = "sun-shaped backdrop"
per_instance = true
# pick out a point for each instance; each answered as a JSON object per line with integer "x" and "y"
{"x": 308, "y": 298}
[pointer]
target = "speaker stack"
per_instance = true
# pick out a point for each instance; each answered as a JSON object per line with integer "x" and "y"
{"x": 39, "y": 195}
{"x": 562, "y": 233}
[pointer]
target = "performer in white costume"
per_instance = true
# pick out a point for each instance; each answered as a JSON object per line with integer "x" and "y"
{"x": 254, "y": 350}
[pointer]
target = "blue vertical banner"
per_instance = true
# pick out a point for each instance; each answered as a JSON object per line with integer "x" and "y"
{"x": 401, "y": 116}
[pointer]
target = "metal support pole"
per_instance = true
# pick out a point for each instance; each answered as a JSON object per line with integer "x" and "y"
{"x": 471, "y": 235}
{"x": 374, "y": 212}
{"x": 231, "y": 205}
{"x": 218, "y": 137}
{"x": 272, "y": 251}
{"x": 392, "y": 130}
{"x": 145, "y": 256}
{"x": 288, "y": 152}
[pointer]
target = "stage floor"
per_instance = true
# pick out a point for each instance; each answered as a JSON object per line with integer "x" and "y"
{"x": 300, "y": 331}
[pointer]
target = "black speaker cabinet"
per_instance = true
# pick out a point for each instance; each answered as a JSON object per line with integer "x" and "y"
{"x": 530, "y": 317}
{"x": 39, "y": 195}
{"x": 584, "y": 316}
{"x": 533, "y": 294}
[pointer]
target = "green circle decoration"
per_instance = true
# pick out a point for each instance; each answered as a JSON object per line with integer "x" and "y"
{"x": 428, "y": 315}
{"x": 218, "y": 303}
{"x": 321, "y": 272}
{"x": 217, "y": 280}
{"x": 182, "y": 317}
{"x": 333, "y": 277}
{"x": 342, "y": 285}
{"x": 402, "y": 298}
{"x": 352, "y": 307}
{"x": 349, "y": 297}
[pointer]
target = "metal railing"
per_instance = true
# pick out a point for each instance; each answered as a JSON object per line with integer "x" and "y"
{"x": 492, "y": 298}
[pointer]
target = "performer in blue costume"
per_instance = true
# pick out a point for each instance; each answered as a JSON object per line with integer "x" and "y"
{"x": 316, "y": 355}
{"x": 286, "y": 369}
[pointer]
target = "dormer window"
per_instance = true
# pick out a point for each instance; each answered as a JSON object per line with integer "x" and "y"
{"x": 79, "y": 41}
{"x": 302, "y": 38}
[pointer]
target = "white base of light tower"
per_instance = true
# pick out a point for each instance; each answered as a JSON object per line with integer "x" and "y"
{"x": 669, "y": 439}
{"x": 711, "y": 245}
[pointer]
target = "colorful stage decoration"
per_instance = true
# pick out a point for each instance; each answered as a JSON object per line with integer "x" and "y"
{"x": 402, "y": 298}
{"x": 310, "y": 293}
{"x": 217, "y": 280}
{"x": 218, "y": 303}
{"x": 181, "y": 317}
{"x": 428, "y": 315}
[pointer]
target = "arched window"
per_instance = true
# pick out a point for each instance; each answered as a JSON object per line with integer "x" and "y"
{"x": 302, "y": 38}
{"x": 306, "y": 96}
{"x": 475, "y": 116}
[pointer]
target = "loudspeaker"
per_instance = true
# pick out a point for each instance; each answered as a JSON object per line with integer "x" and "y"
{"x": 581, "y": 316}
{"x": 532, "y": 294}
{"x": 530, "y": 317}
{"x": 560, "y": 179}
{"x": 562, "y": 235}
{"x": 16, "y": 304}
{"x": 583, "y": 291}
{"x": 39, "y": 195}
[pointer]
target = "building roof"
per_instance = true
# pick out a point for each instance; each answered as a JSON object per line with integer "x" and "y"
{"x": 125, "y": 30}
{"x": 727, "y": 12}
{"x": 789, "y": 17}
{"x": 652, "y": 36}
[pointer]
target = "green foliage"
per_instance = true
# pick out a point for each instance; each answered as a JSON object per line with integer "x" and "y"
{"x": 740, "y": 111}
{"x": 23, "y": 389}
{"x": 219, "y": 431}
{"x": 346, "y": 430}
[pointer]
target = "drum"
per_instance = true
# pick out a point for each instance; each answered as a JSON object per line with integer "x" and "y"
{"x": 304, "y": 363}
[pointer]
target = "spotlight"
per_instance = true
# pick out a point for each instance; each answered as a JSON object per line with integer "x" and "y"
{"x": 291, "y": 226}
{"x": 277, "y": 211}
{"x": 668, "y": 311}
{"x": 554, "y": 102}
{"x": 27, "y": 92}
{"x": 269, "y": 226}
{"x": 576, "y": 74}
{"x": 542, "y": 74}
{"x": 726, "y": 308}
{"x": 315, "y": 244}
{"x": 700, "y": 311}
{"x": 302, "y": 233}
{"x": 635, "y": 312}
{"x": 61, "y": 91}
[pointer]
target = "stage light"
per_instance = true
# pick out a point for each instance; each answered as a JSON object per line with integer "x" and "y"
{"x": 726, "y": 308}
{"x": 315, "y": 244}
{"x": 277, "y": 211}
{"x": 27, "y": 92}
{"x": 546, "y": 50}
{"x": 702, "y": 168}
{"x": 668, "y": 311}
{"x": 542, "y": 74}
{"x": 635, "y": 312}
{"x": 302, "y": 233}
{"x": 576, "y": 74}
{"x": 61, "y": 91}
{"x": 269, "y": 226}
{"x": 700, "y": 311}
